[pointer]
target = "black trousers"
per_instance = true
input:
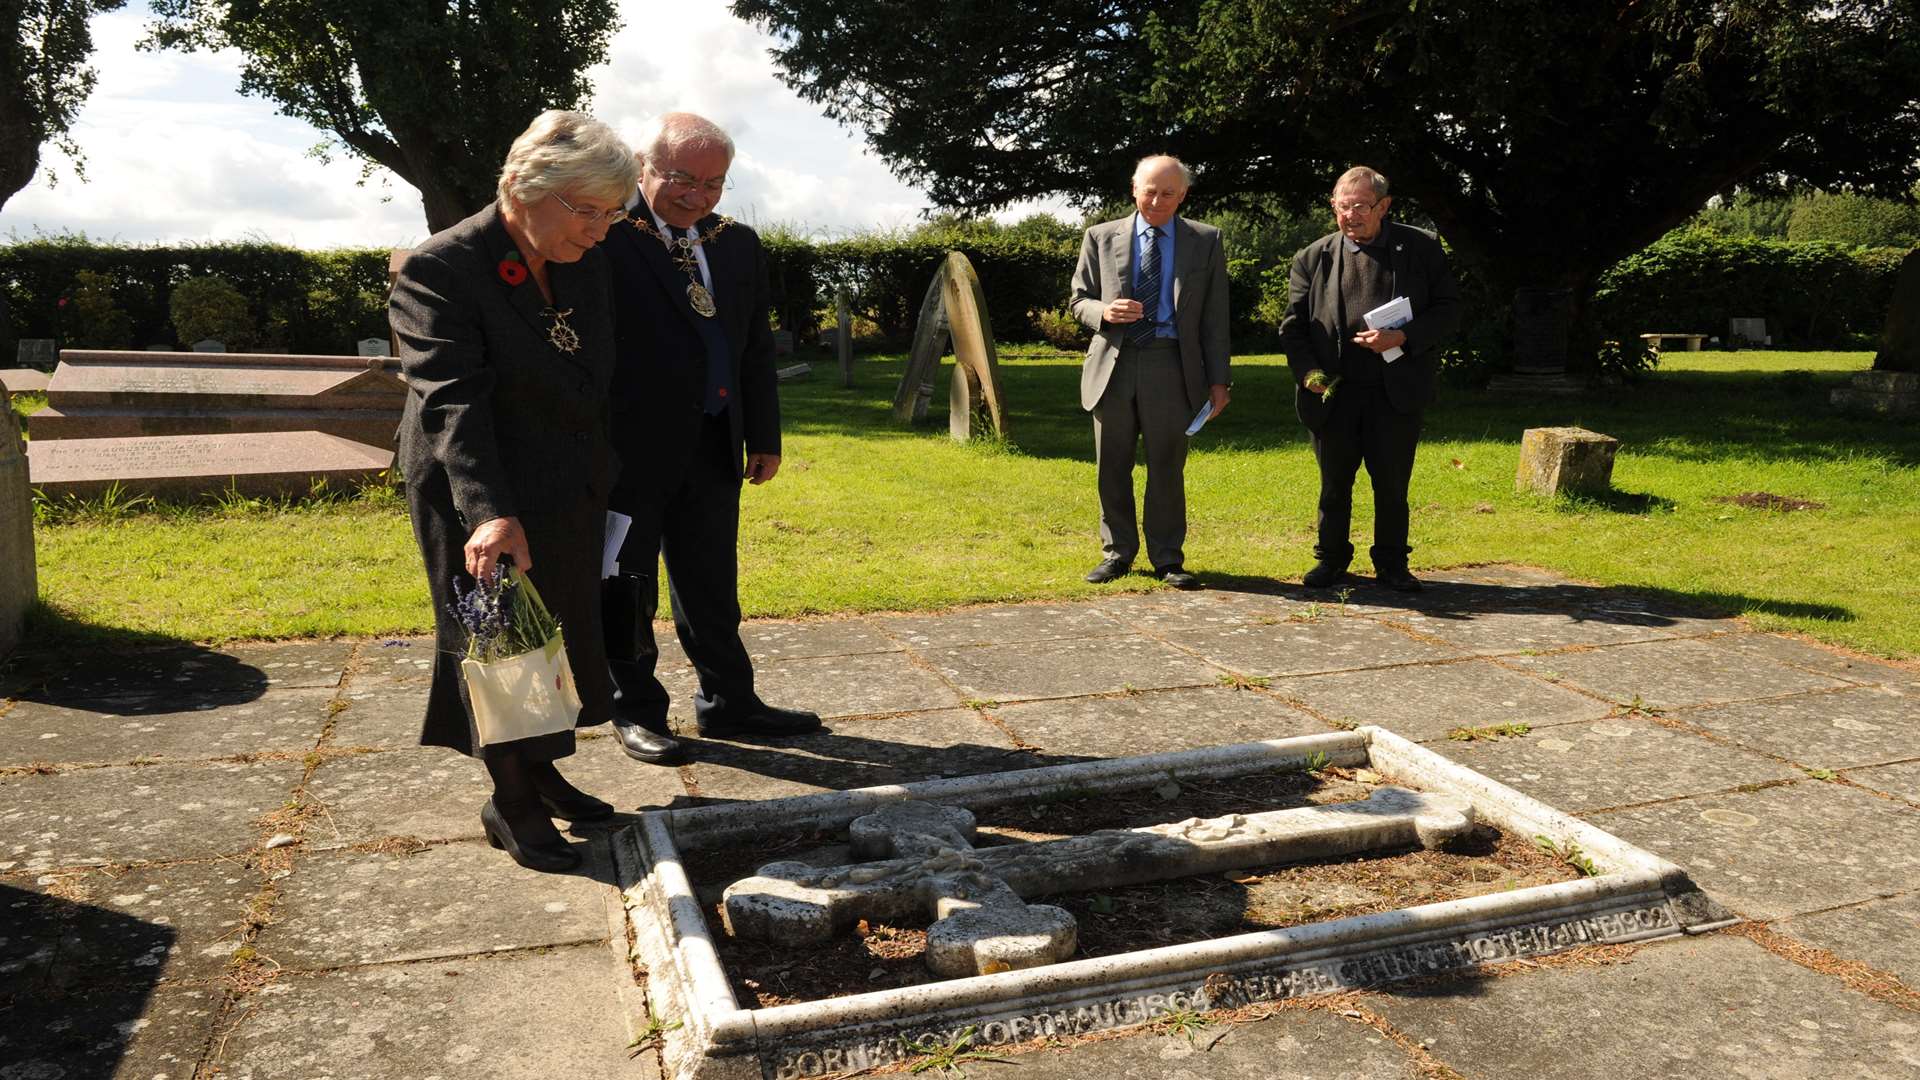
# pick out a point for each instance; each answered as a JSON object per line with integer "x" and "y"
{"x": 1362, "y": 428}
{"x": 696, "y": 526}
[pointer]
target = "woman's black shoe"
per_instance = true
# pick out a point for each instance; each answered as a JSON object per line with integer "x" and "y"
{"x": 577, "y": 807}
{"x": 547, "y": 856}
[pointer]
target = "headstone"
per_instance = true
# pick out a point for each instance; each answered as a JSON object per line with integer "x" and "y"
{"x": 114, "y": 394}
{"x": 256, "y": 465}
{"x": 1565, "y": 459}
{"x": 209, "y": 345}
{"x": 374, "y": 346}
{"x": 23, "y": 381}
{"x": 843, "y": 335}
{"x": 1892, "y": 388}
{"x": 928, "y": 868}
{"x": 19, "y": 586}
{"x": 955, "y": 309}
{"x": 38, "y": 353}
{"x": 793, "y": 371}
{"x": 783, "y": 343}
{"x": 1747, "y": 332}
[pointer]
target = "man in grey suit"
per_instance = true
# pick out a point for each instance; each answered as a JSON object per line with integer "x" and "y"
{"x": 1153, "y": 288}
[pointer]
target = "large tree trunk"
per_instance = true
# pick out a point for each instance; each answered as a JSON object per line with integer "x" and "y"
{"x": 19, "y": 148}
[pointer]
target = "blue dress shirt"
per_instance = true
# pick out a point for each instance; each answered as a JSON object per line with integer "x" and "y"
{"x": 1163, "y": 323}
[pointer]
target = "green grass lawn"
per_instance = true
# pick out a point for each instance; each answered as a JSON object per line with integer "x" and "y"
{"x": 868, "y": 515}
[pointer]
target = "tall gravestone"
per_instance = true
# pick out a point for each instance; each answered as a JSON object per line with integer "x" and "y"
{"x": 18, "y": 584}
{"x": 1892, "y": 388}
{"x": 955, "y": 309}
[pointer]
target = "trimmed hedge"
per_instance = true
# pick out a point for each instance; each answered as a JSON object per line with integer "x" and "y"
{"x": 1812, "y": 294}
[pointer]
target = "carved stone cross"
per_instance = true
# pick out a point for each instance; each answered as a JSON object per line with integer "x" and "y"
{"x": 924, "y": 863}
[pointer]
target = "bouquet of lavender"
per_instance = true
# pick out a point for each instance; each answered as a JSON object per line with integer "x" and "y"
{"x": 518, "y": 678}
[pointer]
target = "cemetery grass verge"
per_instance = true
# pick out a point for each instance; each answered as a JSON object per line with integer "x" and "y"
{"x": 870, "y": 515}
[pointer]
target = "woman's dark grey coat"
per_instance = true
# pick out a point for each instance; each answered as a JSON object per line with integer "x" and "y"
{"x": 500, "y": 423}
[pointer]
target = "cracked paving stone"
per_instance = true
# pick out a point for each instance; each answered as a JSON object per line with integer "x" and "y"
{"x": 1675, "y": 674}
{"x": 286, "y": 721}
{"x": 1902, "y": 781}
{"x": 1782, "y": 850}
{"x": 854, "y": 754}
{"x": 138, "y": 814}
{"x": 1424, "y": 702}
{"x": 350, "y": 907}
{"x": 1827, "y": 660}
{"x": 1205, "y": 609}
{"x": 1069, "y": 729}
{"x": 387, "y": 715}
{"x": 179, "y": 922}
{"x": 1068, "y": 668}
{"x": 1328, "y": 643}
{"x": 1005, "y": 625}
{"x": 1718, "y": 1006}
{"x": 1840, "y": 730}
{"x": 126, "y": 1034}
{"x": 430, "y": 793}
{"x": 767, "y": 641}
{"x": 852, "y": 685}
{"x": 1578, "y": 767}
{"x": 1883, "y": 934}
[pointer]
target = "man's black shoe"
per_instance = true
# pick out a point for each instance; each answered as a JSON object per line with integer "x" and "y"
{"x": 1108, "y": 570}
{"x": 763, "y": 720}
{"x": 648, "y": 746}
{"x": 1398, "y": 580}
{"x": 1323, "y": 574}
{"x": 1177, "y": 577}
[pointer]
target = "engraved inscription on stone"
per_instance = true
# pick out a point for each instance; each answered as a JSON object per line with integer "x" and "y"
{"x": 266, "y": 463}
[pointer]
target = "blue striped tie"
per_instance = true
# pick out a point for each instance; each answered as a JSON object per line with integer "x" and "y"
{"x": 1148, "y": 291}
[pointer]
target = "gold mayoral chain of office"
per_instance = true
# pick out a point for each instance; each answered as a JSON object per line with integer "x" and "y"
{"x": 561, "y": 335}
{"x": 681, "y": 249}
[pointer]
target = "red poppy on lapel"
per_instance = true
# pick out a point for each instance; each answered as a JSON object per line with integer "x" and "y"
{"x": 511, "y": 269}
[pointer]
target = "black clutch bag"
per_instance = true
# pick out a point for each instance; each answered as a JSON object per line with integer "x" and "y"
{"x": 628, "y": 603}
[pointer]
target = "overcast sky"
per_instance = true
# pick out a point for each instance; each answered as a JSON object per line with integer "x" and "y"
{"x": 173, "y": 152}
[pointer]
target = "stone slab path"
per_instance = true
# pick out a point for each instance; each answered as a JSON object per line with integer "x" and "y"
{"x": 147, "y": 928}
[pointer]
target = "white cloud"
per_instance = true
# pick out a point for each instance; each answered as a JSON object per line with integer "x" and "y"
{"x": 174, "y": 153}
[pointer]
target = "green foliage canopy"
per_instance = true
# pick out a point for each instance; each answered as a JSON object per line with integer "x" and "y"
{"x": 44, "y": 79}
{"x": 435, "y": 92}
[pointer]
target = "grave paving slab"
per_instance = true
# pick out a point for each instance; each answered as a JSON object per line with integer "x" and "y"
{"x": 1424, "y": 702}
{"x": 284, "y": 721}
{"x": 392, "y": 662}
{"x": 1328, "y": 643}
{"x": 137, "y": 814}
{"x": 1498, "y": 632}
{"x": 178, "y": 922}
{"x": 517, "y": 1017}
{"x": 341, "y": 908}
{"x": 429, "y": 793}
{"x": 1826, "y": 659}
{"x": 1616, "y": 762}
{"x": 857, "y": 753}
{"x": 1883, "y": 934}
{"x": 1154, "y": 723}
{"x": 290, "y": 665}
{"x": 1840, "y": 730}
{"x": 125, "y": 1035}
{"x": 1783, "y": 850}
{"x": 79, "y": 675}
{"x": 383, "y": 715}
{"x": 1902, "y": 781}
{"x": 599, "y": 767}
{"x": 1163, "y": 612}
{"x": 1004, "y": 625}
{"x": 853, "y": 685}
{"x": 1718, "y": 1006}
{"x": 1298, "y": 1045}
{"x": 1066, "y": 668}
{"x": 767, "y": 641}
{"x": 1675, "y": 674}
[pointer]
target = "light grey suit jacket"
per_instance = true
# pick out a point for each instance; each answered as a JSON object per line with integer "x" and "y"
{"x": 1199, "y": 304}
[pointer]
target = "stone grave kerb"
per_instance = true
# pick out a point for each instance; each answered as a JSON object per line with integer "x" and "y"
{"x": 19, "y": 582}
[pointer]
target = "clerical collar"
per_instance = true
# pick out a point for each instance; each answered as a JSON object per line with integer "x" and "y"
{"x": 1378, "y": 243}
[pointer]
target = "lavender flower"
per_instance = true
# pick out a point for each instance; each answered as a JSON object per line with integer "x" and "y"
{"x": 501, "y": 619}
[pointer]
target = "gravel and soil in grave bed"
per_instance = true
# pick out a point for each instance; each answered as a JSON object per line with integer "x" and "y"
{"x": 1198, "y": 908}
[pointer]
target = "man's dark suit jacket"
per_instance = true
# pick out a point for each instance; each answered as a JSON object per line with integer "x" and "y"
{"x": 659, "y": 380}
{"x": 1311, "y": 334}
{"x": 500, "y": 423}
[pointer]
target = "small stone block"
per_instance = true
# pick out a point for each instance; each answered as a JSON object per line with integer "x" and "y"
{"x": 20, "y": 381}
{"x": 1566, "y": 459}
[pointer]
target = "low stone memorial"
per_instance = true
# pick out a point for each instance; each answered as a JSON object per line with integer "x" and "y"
{"x": 1748, "y": 332}
{"x": 911, "y": 858}
{"x": 1565, "y": 459}
{"x": 19, "y": 585}
{"x": 374, "y": 346}
{"x": 24, "y": 381}
{"x": 209, "y": 345}
{"x": 37, "y": 353}
{"x": 256, "y": 465}
{"x": 955, "y": 309}
{"x": 1892, "y": 387}
{"x": 119, "y": 394}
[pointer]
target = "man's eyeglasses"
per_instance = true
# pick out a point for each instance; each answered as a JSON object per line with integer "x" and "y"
{"x": 1355, "y": 207}
{"x": 687, "y": 182}
{"x": 588, "y": 214}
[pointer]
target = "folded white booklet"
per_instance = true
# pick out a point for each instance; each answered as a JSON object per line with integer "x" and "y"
{"x": 1391, "y": 315}
{"x": 617, "y": 526}
{"x": 1200, "y": 418}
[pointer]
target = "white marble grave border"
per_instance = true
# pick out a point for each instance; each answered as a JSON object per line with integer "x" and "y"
{"x": 1637, "y": 896}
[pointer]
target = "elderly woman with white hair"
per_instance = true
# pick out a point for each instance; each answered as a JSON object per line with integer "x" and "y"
{"x": 505, "y": 330}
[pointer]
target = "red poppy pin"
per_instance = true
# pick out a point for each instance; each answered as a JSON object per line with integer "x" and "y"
{"x": 723, "y": 392}
{"x": 63, "y": 302}
{"x": 511, "y": 269}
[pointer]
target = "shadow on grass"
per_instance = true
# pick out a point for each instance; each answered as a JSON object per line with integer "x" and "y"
{"x": 1618, "y": 502}
{"x": 63, "y": 660}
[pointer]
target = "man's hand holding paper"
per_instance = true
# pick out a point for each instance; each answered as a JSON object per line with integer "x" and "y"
{"x": 1382, "y": 334}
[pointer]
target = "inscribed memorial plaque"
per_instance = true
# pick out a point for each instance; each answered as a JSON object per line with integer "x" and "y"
{"x": 257, "y": 465}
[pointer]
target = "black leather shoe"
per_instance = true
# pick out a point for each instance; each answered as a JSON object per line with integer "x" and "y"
{"x": 1398, "y": 580}
{"x": 1108, "y": 570}
{"x": 547, "y": 855}
{"x": 1177, "y": 577}
{"x": 1323, "y": 574}
{"x": 764, "y": 720}
{"x": 648, "y": 746}
{"x": 577, "y": 807}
